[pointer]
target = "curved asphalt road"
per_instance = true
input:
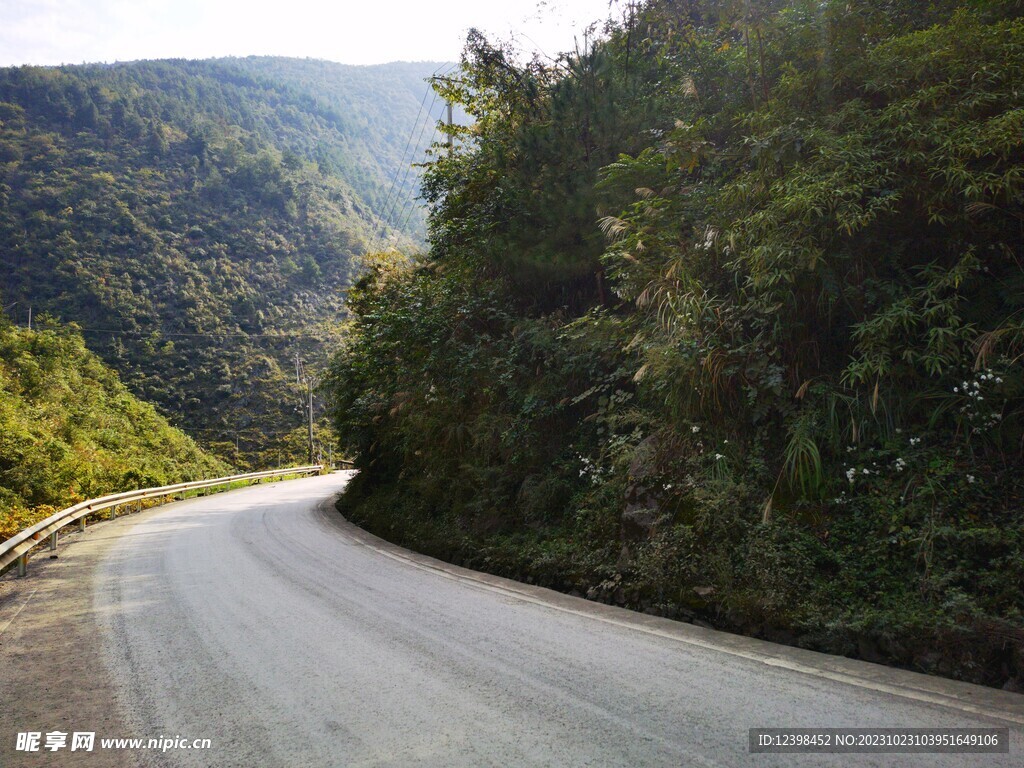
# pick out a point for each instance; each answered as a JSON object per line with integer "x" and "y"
{"x": 261, "y": 620}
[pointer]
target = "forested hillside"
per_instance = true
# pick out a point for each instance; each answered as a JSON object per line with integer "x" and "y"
{"x": 70, "y": 430}
{"x": 721, "y": 319}
{"x": 199, "y": 221}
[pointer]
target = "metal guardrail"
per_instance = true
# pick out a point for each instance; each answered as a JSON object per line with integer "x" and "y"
{"x": 17, "y": 547}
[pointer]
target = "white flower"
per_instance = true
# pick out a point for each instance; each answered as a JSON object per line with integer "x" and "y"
{"x": 695, "y": 429}
{"x": 970, "y": 478}
{"x": 850, "y": 474}
{"x": 719, "y": 457}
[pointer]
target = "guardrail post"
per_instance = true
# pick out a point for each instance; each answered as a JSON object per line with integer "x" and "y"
{"x": 81, "y": 523}
{"x": 53, "y": 541}
{"x": 23, "y": 565}
{"x": 113, "y": 512}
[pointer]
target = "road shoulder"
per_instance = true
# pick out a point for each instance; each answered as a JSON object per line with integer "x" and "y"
{"x": 51, "y": 662}
{"x": 1001, "y": 706}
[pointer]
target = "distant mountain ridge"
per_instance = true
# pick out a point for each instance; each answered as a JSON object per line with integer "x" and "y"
{"x": 387, "y": 141}
{"x": 200, "y": 219}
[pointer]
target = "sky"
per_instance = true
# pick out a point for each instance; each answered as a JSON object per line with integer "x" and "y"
{"x": 346, "y": 31}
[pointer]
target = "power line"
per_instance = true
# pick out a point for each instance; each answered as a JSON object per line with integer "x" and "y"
{"x": 220, "y": 314}
{"x": 388, "y": 215}
{"x": 401, "y": 166}
{"x": 244, "y": 431}
{"x": 395, "y": 186}
{"x": 408, "y": 167}
{"x": 411, "y": 202}
{"x": 401, "y": 162}
{"x": 119, "y": 332}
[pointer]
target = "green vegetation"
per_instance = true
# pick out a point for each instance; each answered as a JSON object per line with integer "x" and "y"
{"x": 199, "y": 221}
{"x": 70, "y": 430}
{"x": 721, "y": 320}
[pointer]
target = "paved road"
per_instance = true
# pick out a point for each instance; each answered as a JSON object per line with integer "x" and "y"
{"x": 260, "y": 620}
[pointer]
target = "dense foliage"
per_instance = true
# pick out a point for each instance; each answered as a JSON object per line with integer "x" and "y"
{"x": 199, "y": 219}
{"x": 721, "y": 320}
{"x": 70, "y": 430}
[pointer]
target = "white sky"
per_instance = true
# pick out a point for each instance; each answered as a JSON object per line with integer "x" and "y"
{"x": 347, "y": 31}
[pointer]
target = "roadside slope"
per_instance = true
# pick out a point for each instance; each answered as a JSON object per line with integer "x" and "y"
{"x": 70, "y": 430}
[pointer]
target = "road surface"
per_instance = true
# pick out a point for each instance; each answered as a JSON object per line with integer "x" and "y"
{"x": 260, "y": 620}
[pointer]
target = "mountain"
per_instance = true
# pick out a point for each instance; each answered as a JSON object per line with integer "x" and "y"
{"x": 370, "y": 133}
{"x": 69, "y": 430}
{"x": 200, "y": 220}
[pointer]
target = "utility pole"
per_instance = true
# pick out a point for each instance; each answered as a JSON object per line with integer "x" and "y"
{"x": 307, "y": 405}
{"x": 309, "y": 385}
{"x": 30, "y": 318}
{"x": 451, "y": 119}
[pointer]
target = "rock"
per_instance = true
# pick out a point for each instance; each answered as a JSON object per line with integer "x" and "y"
{"x": 641, "y": 513}
{"x": 625, "y": 557}
{"x": 638, "y": 523}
